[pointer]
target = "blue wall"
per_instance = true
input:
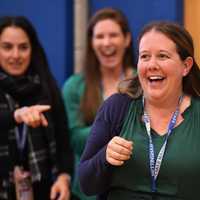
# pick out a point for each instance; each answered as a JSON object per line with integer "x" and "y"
{"x": 53, "y": 21}
{"x": 140, "y": 12}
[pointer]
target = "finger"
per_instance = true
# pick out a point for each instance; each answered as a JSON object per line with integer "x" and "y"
{"x": 62, "y": 196}
{"x": 43, "y": 120}
{"x": 53, "y": 193}
{"x": 30, "y": 120}
{"x": 119, "y": 148}
{"x": 35, "y": 115}
{"x": 35, "y": 119}
{"x": 123, "y": 142}
{"x": 117, "y": 156}
{"x": 42, "y": 108}
{"x": 115, "y": 162}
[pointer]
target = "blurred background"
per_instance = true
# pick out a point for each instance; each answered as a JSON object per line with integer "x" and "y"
{"x": 62, "y": 24}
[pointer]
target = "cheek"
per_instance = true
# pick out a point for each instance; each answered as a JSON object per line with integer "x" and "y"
{"x": 27, "y": 57}
{"x": 140, "y": 68}
{"x": 3, "y": 59}
{"x": 95, "y": 48}
{"x": 122, "y": 49}
{"x": 3, "y": 55}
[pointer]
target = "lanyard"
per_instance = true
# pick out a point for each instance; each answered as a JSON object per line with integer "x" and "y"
{"x": 154, "y": 164}
{"x": 21, "y": 138}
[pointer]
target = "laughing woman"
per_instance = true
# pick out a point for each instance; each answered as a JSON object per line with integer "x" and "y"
{"x": 109, "y": 59}
{"x": 145, "y": 141}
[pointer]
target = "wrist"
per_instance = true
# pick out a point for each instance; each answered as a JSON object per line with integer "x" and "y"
{"x": 64, "y": 177}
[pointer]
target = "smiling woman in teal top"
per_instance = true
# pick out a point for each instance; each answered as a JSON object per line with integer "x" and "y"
{"x": 109, "y": 59}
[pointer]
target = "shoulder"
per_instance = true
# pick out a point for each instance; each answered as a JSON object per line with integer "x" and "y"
{"x": 118, "y": 99}
{"x": 74, "y": 83}
{"x": 115, "y": 107}
{"x": 74, "y": 80}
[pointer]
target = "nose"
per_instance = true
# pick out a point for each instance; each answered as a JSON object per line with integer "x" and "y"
{"x": 106, "y": 41}
{"x": 153, "y": 64}
{"x": 15, "y": 53}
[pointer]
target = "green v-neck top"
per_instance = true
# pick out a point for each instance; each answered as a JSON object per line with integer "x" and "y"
{"x": 179, "y": 176}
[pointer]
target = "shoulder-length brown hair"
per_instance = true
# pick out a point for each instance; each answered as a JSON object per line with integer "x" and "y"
{"x": 185, "y": 48}
{"x": 92, "y": 95}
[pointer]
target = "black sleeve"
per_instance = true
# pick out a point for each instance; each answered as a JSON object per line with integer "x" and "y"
{"x": 94, "y": 170}
{"x": 7, "y": 120}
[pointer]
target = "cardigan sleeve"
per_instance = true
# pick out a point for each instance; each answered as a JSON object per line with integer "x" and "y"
{"x": 78, "y": 130}
{"x": 107, "y": 124}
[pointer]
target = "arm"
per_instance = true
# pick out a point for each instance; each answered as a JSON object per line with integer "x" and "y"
{"x": 78, "y": 130}
{"x": 93, "y": 165}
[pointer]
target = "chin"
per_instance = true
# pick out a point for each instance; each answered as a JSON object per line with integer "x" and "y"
{"x": 110, "y": 65}
{"x": 155, "y": 96}
{"x": 16, "y": 73}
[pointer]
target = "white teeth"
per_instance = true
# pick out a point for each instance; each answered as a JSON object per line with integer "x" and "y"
{"x": 109, "y": 51}
{"x": 156, "y": 78}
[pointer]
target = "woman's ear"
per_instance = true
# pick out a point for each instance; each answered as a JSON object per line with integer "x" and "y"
{"x": 188, "y": 63}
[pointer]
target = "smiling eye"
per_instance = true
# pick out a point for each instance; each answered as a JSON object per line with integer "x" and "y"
{"x": 144, "y": 57}
{"x": 24, "y": 47}
{"x": 163, "y": 56}
{"x": 6, "y": 46}
{"x": 98, "y": 36}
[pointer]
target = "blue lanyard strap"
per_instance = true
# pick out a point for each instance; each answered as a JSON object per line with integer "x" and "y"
{"x": 155, "y": 164}
{"x": 21, "y": 140}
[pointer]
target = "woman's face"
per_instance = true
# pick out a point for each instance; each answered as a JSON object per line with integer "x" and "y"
{"x": 109, "y": 43}
{"x": 15, "y": 51}
{"x": 160, "y": 68}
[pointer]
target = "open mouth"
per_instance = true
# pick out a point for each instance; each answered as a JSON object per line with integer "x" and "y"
{"x": 154, "y": 79}
{"x": 109, "y": 52}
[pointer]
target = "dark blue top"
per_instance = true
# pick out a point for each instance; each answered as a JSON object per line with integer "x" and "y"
{"x": 109, "y": 117}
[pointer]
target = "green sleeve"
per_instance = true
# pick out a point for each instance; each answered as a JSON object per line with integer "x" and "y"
{"x": 72, "y": 92}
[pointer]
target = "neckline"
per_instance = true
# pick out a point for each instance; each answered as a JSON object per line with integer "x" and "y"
{"x": 185, "y": 117}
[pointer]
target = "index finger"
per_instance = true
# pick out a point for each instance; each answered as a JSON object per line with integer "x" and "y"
{"x": 42, "y": 108}
{"x": 123, "y": 142}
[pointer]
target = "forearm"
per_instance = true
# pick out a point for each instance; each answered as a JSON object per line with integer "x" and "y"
{"x": 97, "y": 171}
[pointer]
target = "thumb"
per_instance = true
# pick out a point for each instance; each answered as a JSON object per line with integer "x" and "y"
{"x": 53, "y": 193}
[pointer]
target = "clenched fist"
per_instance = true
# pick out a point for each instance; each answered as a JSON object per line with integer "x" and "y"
{"x": 118, "y": 150}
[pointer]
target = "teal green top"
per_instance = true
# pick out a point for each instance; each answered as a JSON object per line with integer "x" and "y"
{"x": 180, "y": 169}
{"x": 73, "y": 90}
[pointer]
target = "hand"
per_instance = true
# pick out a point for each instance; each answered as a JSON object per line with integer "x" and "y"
{"x": 32, "y": 116}
{"x": 61, "y": 187}
{"x": 118, "y": 150}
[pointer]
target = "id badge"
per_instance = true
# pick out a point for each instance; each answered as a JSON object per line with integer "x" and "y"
{"x": 23, "y": 185}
